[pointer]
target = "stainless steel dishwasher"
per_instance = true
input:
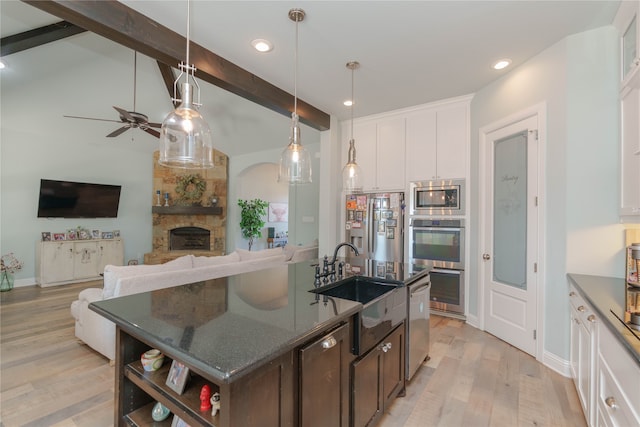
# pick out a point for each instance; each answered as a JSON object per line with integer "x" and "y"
{"x": 417, "y": 324}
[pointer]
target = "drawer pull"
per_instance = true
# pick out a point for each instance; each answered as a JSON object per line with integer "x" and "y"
{"x": 611, "y": 402}
{"x": 581, "y": 309}
{"x": 572, "y": 294}
{"x": 591, "y": 318}
{"x": 386, "y": 347}
{"x": 329, "y": 343}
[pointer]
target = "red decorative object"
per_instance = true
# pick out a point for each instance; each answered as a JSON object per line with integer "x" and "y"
{"x": 205, "y": 395}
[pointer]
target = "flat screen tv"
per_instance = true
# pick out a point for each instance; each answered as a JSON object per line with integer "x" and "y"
{"x": 66, "y": 199}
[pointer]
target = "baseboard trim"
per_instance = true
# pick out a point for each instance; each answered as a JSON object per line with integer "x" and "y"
{"x": 556, "y": 363}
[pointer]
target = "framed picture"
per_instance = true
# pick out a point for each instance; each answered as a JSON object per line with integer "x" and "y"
{"x": 392, "y": 223}
{"x": 359, "y": 215}
{"x": 377, "y": 203}
{"x": 177, "y": 378}
{"x": 59, "y": 236}
{"x": 380, "y": 270}
{"x": 84, "y": 235}
{"x": 116, "y": 233}
{"x": 278, "y": 212}
{"x": 95, "y": 234}
{"x": 384, "y": 203}
{"x": 107, "y": 234}
{"x": 46, "y": 236}
{"x": 72, "y": 235}
{"x": 178, "y": 422}
{"x": 351, "y": 215}
{"x": 391, "y": 233}
{"x": 381, "y": 227}
{"x": 387, "y": 214}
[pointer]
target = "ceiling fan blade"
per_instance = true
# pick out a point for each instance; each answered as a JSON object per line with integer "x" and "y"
{"x": 118, "y": 131}
{"x": 154, "y": 125}
{"x": 91, "y": 118}
{"x": 124, "y": 114}
{"x": 151, "y": 132}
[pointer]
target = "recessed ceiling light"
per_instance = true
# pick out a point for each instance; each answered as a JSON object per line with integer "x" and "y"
{"x": 262, "y": 45}
{"x": 2, "y": 64}
{"x": 348, "y": 103}
{"x": 503, "y": 63}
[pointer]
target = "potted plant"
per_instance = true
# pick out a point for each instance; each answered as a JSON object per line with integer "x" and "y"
{"x": 251, "y": 221}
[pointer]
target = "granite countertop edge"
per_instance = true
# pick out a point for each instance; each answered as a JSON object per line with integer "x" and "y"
{"x": 603, "y": 308}
{"x": 218, "y": 375}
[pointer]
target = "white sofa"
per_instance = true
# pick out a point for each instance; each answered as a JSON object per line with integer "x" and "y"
{"x": 99, "y": 333}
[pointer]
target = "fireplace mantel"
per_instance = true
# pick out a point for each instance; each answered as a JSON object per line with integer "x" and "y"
{"x": 187, "y": 210}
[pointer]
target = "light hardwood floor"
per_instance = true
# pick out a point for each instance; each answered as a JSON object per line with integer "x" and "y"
{"x": 48, "y": 378}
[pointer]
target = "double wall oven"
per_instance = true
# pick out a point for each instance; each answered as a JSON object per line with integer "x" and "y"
{"x": 437, "y": 243}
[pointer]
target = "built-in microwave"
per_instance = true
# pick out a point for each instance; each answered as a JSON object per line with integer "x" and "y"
{"x": 441, "y": 198}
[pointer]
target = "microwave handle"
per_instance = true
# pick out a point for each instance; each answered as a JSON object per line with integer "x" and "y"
{"x": 437, "y": 228}
{"x": 446, "y": 271}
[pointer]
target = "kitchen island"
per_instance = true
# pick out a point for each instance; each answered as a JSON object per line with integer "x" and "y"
{"x": 249, "y": 337}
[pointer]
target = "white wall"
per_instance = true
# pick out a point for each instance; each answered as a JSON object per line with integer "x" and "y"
{"x": 576, "y": 78}
{"x": 38, "y": 142}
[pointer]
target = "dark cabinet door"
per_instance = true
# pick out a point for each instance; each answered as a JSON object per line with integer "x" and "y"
{"x": 324, "y": 380}
{"x": 367, "y": 392}
{"x": 377, "y": 378}
{"x": 393, "y": 347}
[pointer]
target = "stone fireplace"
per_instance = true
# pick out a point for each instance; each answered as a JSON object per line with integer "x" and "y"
{"x": 195, "y": 227}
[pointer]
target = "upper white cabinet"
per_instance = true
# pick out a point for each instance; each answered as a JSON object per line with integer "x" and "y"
{"x": 379, "y": 152}
{"x": 416, "y": 144}
{"x": 626, "y": 22}
{"x": 437, "y": 143}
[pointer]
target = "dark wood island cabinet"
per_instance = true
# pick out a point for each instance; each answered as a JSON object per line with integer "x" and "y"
{"x": 278, "y": 354}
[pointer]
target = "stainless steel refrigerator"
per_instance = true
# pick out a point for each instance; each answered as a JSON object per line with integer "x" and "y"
{"x": 375, "y": 225}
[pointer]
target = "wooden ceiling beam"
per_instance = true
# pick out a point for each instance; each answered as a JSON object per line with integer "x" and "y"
{"x": 37, "y": 37}
{"x": 121, "y": 24}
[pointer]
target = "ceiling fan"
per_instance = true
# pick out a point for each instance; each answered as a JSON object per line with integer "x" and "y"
{"x": 130, "y": 119}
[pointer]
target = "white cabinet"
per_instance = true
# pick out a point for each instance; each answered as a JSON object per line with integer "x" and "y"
{"x": 630, "y": 151}
{"x": 626, "y": 21}
{"x": 618, "y": 383}
{"x": 73, "y": 261}
{"x": 583, "y": 353}
{"x": 436, "y": 144}
{"x": 379, "y": 152}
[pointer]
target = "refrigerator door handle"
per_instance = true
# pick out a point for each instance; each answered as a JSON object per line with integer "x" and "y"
{"x": 370, "y": 221}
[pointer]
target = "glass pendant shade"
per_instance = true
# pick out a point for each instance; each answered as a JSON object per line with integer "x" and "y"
{"x": 185, "y": 137}
{"x": 351, "y": 173}
{"x": 295, "y": 161}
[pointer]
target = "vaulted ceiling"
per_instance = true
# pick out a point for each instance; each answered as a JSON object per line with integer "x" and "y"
{"x": 411, "y": 52}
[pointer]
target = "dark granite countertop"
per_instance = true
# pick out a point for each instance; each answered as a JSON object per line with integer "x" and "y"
{"x": 606, "y": 296}
{"x": 229, "y": 326}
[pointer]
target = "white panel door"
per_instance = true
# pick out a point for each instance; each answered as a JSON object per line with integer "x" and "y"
{"x": 452, "y": 142}
{"x": 390, "y": 155}
{"x": 421, "y": 146}
{"x": 365, "y": 135}
{"x": 510, "y": 217}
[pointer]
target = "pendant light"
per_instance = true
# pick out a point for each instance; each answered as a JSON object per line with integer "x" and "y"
{"x": 185, "y": 137}
{"x": 351, "y": 173}
{"x": 295, "y": 161}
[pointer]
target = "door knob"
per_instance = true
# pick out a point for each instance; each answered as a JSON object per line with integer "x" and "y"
{"x": 486, "y": 257}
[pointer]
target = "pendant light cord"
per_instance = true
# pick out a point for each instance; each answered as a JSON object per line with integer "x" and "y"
{"x": 295, "y": 75}
{"x": 188, "y": 30}
{"x": 353, "y": 101}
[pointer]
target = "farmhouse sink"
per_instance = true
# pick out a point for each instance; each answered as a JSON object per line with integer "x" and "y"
{"x": 360, "y": 289}
{"x": 384, "y": 307}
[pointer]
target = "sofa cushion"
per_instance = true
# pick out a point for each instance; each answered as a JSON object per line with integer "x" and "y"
{"x": 112, "y": 272}
{"x": 202, "y": 261}
{"x": 265, "y": 253}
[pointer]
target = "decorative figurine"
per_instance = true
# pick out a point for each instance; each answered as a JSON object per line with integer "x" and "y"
{"x": 159, "y": 412}
{"x": 215, "y": 404}
{"x": 166, "y": 199}
{"x": 158, "y": 198}
{"x": 205, "y": 394}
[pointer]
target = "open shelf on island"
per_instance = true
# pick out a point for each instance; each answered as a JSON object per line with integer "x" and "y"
{"x": 187, "y": 210}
